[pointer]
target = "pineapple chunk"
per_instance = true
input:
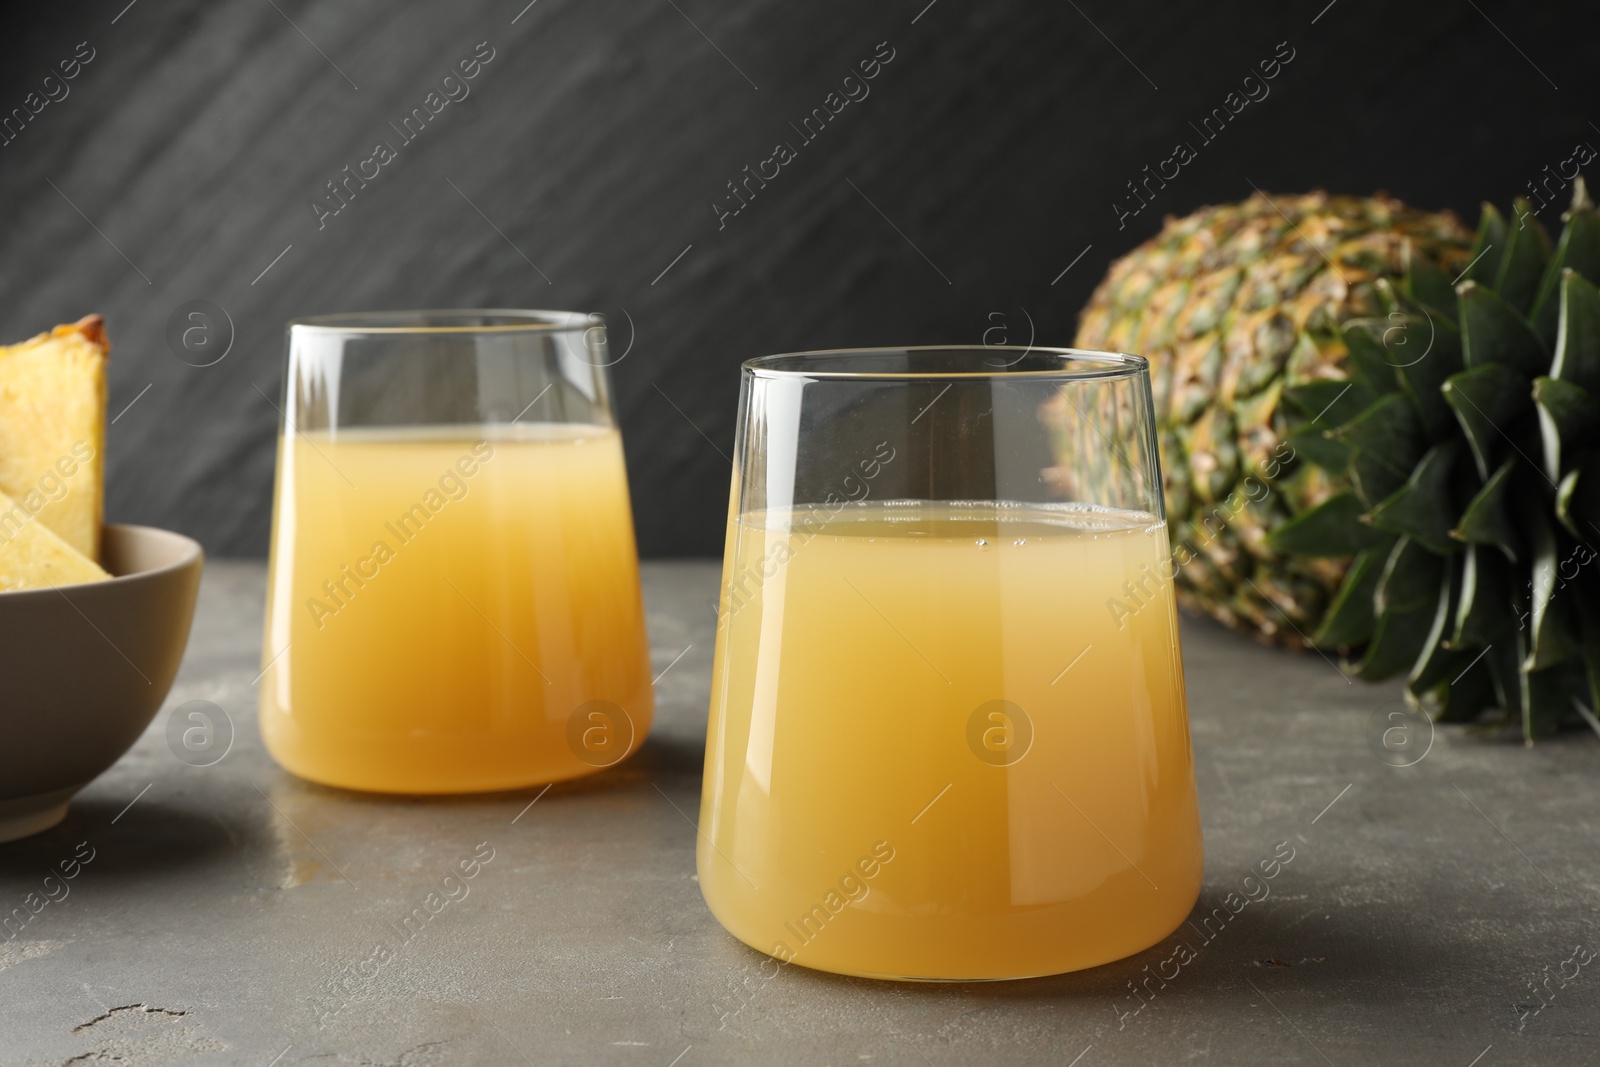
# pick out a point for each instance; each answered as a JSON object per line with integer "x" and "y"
{"x": 52, "y": 431}
{"x": 32, "y": 556}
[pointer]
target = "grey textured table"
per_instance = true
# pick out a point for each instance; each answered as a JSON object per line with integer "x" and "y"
{"x": 223, "y": 908}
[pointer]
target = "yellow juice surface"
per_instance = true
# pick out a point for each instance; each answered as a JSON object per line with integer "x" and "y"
{"x": 948, "y": 742}
{"x": 453, "y": 609}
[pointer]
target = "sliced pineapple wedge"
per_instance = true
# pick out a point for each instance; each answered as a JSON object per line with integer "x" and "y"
{"x": 52, "y": 433}
{"x": 32, "y": 556}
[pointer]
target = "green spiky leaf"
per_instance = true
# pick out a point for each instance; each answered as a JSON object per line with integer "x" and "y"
{"x": 1453, "y": 685}
{"x": 1527, "y": 251}
{"x": 1421, "y": 509}
{"x": 1493, "y": 332}
{"x": 1329, "y": 404}
{"x": 1426, "y": 283}
{"x": 1569, "y": 420}
{"x": 1396, "y": 643}
{"x": 1577, "y": 358}
{"x": 1487, "y": 520}
{"x": 1547, "y": 697}
{"x": 1421, "y": 345}
{"x": 1488, "y": 246}
{"x": 1468, "y": 691}
{"x": 1577, "y": 249}
{"x": 1487, "y": 400}
{"x": 1502, "y": 658}
{"x": 1482, "y": 612}
{"x": 1353, "y": 615}
{"x": 1424, "y": 378}
{"x": 1325, "y": 404}
{"x": 1369, "y": 363}
{"x": 1332, "y": 528}
{"x": 1407, "y": 597}
{"x": 1555, "y": 622}
{"x": 1315, "y": 446}
{"x": 1578, "y": 498}
{"x": 1411, "y": 578}
{"x": 1390, "y": 432}
{"x": 1434, "y": 663}
{"x": 1373, "y": 481}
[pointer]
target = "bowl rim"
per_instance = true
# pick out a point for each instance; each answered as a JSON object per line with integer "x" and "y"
{"x": 192, "y": 552}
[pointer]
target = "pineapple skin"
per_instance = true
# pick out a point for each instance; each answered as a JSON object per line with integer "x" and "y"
{"x": 1231, "y": 305}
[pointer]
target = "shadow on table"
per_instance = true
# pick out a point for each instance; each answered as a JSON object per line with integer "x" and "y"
{"x": 316, "y": 810}
{"x": 658, "y": 759}
{"x": 158, "y": 837}
{"x": 668, "y": 757}
{"x": 1263, "y": 945}
{"x": 319, "y": 833}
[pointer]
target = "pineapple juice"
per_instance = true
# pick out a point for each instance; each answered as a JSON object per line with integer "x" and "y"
{"x": 949, "y": 736}
{"x": 443, "y": 601}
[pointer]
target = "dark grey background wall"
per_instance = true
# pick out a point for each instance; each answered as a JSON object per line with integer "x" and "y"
{"x": 185, "y": 158}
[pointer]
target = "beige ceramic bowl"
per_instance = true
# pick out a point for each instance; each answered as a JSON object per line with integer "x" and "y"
{"x": 84, "y": 668}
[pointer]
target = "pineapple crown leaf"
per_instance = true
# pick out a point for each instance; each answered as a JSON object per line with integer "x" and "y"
{"x": 1323, "y": 401}
{"x": 1369, "y": 362}
{"x": 1456, "y": 562}
{"x": 1485, "y": 399}
{"x": 1493, "y": 331}
{"x": 1555, "y": 626}
{"x": 1421, "y": 509}
{"x": 1397, "y": 639}
{"x": 1332, "y": 528}
{"x": 1569, "y": 416}
{"x": 1487, "y": 519}
{"x": 1425, "y": 282}
{"x": 1577, "y": 349}
{"x": 1488, "y": 244}
{"x": 1440, "y": 674}
{"x": 1480, "y": 614}
{"x": 1580, "y": 198}
{"x": 1350, "y": 619}
{"x": 1577, "y": 249}
{"x": 1410, "y": 581}
{"x": 1386, "y": 436}
{"x": 1527, "y": 251}
{"x": 1578, "y": 500}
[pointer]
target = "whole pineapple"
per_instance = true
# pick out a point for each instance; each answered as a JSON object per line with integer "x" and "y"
{"x": 1474, "y": 471}
{"x": 1233, "y": 305}
{"x": 1445, "y": 468}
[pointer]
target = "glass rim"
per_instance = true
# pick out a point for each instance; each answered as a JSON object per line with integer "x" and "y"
{"x": 1101, "y": 365}
{"x": 516, "y": 320}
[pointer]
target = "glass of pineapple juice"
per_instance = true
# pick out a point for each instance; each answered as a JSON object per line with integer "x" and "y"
{"x": 453, "y": 600}
{"x": 948, "y": 737}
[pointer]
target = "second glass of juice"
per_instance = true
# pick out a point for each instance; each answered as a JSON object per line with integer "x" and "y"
{"x": 453, "y": 602}
{"x": 948, "y": 737}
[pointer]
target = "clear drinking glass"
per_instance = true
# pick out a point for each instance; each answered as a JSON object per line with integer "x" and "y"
{"x": 453, "y": 603}
{"x": 948, "y": 737}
